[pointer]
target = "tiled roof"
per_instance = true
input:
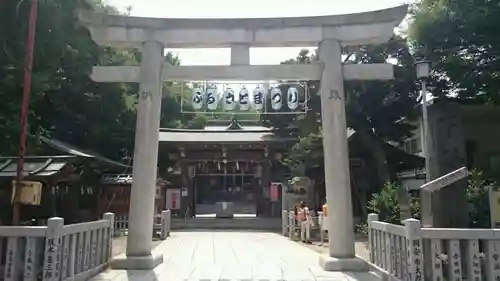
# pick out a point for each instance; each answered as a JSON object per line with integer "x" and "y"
{"x": 247, "y": 134}
{"x": 34, "y": 166}
{"x": 169, "y": 135}
{"x": 125, "y": 179}
{"x": 67, "y": 148}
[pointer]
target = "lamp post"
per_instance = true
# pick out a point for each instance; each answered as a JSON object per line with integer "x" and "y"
{"x": 423, "y": 72}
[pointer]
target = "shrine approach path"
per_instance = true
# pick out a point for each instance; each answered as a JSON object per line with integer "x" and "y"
{"x": 232, "y": 255}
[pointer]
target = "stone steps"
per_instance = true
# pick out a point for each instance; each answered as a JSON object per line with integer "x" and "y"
{"x": 237, "y": 223}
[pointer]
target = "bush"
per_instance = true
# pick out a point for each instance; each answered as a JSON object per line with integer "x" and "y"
{"x": 386, "y": 204}
{"x": 478, "y": 198}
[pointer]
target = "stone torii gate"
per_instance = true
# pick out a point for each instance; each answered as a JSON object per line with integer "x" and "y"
{"x": 330, "y": 33}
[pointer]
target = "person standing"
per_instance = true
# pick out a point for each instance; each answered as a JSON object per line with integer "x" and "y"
{"x": 325, "y": 208}
{"x": 323, "y": 228}
{"x": 304, "y": 218}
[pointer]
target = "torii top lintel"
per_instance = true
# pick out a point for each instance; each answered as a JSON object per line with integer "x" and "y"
{"x": 351, "y": 29}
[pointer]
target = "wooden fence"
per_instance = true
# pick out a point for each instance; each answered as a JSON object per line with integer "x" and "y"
{"x": 411, "y": 252}
{"x": 55, "y": 252}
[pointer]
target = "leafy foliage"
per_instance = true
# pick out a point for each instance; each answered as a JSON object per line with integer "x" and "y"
{"x": 386, "y": 204}
{"x": 460, "y": 38}
{"x": 373, "y": 108}
{"x": 65, "y": 103}
{"x": 478, "y": 198}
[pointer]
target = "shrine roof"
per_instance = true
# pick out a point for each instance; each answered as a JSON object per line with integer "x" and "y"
{"x": 235, "y": 132}
{"x": 71, "y": 150}
{"x": 125, "y": 179}
{"x": 213, "y": 135}
{"x": 42, "y": 166}
{"x": 34, "y": 165}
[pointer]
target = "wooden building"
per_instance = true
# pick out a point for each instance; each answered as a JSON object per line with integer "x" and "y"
{"x": 223, "y": 163}
{"x": 70, "y": 182}
{"x": 114, "y": 196}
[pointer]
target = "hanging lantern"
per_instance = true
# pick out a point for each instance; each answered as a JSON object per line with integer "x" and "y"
{"x": 276, "y": 98}
{"x": 211, "y": 99}
{"x": 258, "y": 98}
{"x": 244, "y": 99}
{"x": 229, "y": 99}
{"x": 197, "y": 100}
{"x": 292, "y": 98}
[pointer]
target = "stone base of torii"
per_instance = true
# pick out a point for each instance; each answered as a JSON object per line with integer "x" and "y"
{"x": 330, "y": 33}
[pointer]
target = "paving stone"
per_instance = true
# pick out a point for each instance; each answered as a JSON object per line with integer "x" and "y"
{"x": 228, "y": 256}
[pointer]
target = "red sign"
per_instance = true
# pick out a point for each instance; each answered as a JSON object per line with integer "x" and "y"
{"x": 274, "y": 191}
{"x": 174, "y": 200}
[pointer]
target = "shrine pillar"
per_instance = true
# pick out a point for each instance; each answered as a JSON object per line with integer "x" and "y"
{"x": 142, "y": 196}
{"x": 342, "y": 255}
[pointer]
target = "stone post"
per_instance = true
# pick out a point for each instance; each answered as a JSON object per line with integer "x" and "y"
{"x": 337, "y": 178}
{"x": 142, "y": 197}
{"x": 371, "y": 237}
{"x": 415, "y": 270}
{"x": 284, "y": 223}
{"x": 108, "y": 252}
{"x": 166, "y": 216}
{"x": 291, "y": 224}
{"x": 52, "y": 255}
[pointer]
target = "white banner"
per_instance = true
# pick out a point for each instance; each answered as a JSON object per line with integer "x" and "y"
{"x": 212, "y": 101}
{"x": 276, "y": 98}
{"x": 292, "y": 98}
{"x": 197, "y": 100}
{"x": 209, "y": 98}
{"x": 258, "y": 98}
{"x": 244, "y": 99}
{"x": 229, "y": 99}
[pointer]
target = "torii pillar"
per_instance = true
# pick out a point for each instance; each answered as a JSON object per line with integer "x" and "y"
{"x": 341, "y": 235}
{"x": 144, "y": 174}
{"x": 330, "y": 32}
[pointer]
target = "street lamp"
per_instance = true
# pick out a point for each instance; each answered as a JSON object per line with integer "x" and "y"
{"x": 423, "y": 72}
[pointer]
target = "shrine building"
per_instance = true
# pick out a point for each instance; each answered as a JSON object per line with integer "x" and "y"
{"x": 224, "y": 163}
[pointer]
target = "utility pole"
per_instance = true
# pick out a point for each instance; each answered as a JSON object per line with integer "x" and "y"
{"x": 30, "y": 44}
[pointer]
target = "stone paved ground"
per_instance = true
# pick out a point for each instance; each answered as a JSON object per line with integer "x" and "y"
{"x": 120, "y": 245}
{"x": 361, "y": 247}
{"x": 197, "y": 256}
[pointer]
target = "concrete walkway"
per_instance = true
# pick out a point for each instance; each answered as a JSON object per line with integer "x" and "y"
{"x": 196, "y": 256}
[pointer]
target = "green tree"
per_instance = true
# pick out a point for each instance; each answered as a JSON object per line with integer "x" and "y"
{"x": 65, "y": 103}
{"x": 374, "y": 109}
{"x": 460, "y": 38}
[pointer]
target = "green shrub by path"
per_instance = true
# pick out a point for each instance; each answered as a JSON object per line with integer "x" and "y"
{"x": 478, "y": 198}
{"x": 386, "y": 202}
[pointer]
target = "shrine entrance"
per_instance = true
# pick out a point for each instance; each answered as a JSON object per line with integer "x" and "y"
{"x": 234, "y": 186}
{"x": 223, "y": 162}
{"x": 329, "y": 33}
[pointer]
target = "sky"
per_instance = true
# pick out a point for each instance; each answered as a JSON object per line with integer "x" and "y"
{"x": 245, "y": 9}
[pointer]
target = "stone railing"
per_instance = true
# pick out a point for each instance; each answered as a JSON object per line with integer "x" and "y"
{"x": 55, "y": 252}
{"x": 452, "y": 254}
{"x": 161, "y": 223}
